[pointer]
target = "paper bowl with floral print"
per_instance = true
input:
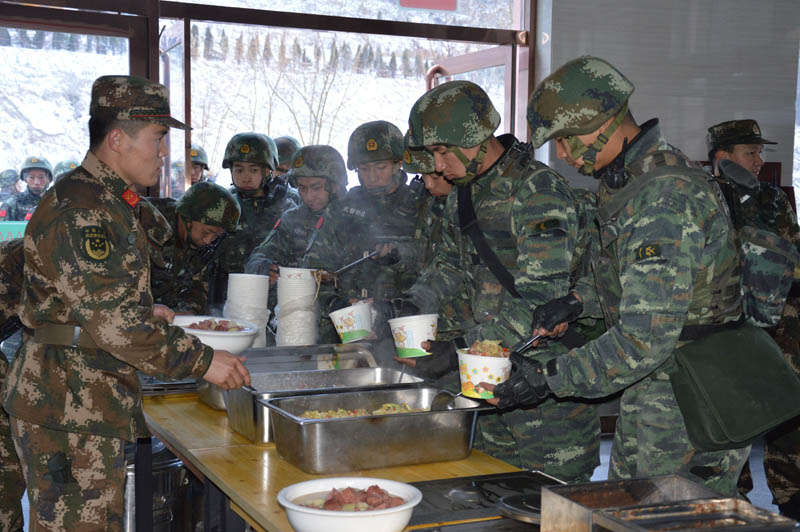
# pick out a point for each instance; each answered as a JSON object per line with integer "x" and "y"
{"x": 409, "y": 333}
{"x": 475, "y": 369}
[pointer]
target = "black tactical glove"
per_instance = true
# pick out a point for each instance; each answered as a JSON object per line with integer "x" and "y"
{"x": 443, "y": 359}
{"x": 527, "y": 385}
{"x": 390, "y": 258}
{"x": 563, "y": 309}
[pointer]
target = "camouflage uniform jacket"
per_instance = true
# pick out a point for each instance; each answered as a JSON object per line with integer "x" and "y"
{"x": 86, "y": 264}
{"x": 259, "y": 215}
{"x": 12, "y": 262}
{"x": 179, "y": 273}
{"x": 6, "y": 193}
{"x": 454, "y": 315}
{"x": 530, "y": 217}
{"x": 353, "y": 227}
{"x": 668, "y": 238}
{"x": 286, "y": 244}
{"x": 20, "y": 208}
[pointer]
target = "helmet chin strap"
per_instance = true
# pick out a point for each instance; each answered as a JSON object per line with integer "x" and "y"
{"x": 578, "y": 149}
{"x": 470, "y": 166}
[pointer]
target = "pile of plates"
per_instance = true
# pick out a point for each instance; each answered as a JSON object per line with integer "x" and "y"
{"x": 297, "y": 310}
{"x": 247, "y": 300}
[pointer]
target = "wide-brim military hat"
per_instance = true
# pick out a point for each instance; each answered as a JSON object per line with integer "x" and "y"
{"x": 735, "y": 132}
{"x": 132, "y": 98}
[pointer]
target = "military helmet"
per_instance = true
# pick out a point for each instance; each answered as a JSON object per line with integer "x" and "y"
{"x": 210, "y": 204}
{"x": 577, "y": 99}
{"x": 319, "y": 161}
{"x": 65, "y": 167}
{"x": 456, "y": 113}
{"x": 274, "y": 148}
{"x": 199, "y": 155}
{"x": 249, "y": 148}
{"x": 8, "y": 177}
{"x": 287, "y": 147}
{"x": 36, "y": 162}
{"x": 417, "y": 160}
{"x": 374, "y": 141}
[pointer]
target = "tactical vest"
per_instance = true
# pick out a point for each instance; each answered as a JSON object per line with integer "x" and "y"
{"x": 493, "y": 201}
{"x": 715, "y": 294}
{"x": 299, "y": 223}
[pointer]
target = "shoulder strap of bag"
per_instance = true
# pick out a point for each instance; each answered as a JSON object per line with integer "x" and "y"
{"x": 468, "y": 222}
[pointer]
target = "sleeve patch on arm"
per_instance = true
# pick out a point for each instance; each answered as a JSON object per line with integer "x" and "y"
{"x": 647, "y": 251}
{"x": 94, "y": 243}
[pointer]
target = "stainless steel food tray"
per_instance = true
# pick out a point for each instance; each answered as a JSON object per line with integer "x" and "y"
{"x": 291, "y": 358}
{"x": 704, "y": 514}
{"x": 319, "y": 446}
{"x": 250, "y": 418}
{"x": 571, "y": 507}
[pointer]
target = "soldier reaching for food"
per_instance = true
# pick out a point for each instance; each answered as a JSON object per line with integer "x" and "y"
{"x": 668, "y": 272}
{"x": 72, "y": 392}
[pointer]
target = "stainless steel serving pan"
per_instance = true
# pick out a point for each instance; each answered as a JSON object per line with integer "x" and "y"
{"x": 320, "y": 446}
{"x": 250, "y": 418}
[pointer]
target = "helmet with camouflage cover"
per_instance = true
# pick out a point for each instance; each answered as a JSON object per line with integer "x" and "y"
{"x": 374, "y": 141}
{"x": 8, "y": 177}
{"x": 456, "y": 114}
{"x": 210, "y": 204}
{"x": 417, "y": 160}
{"x": 577, "y": 99}
{"x": 250, "y": 148}
{"x": 64, "y": 167}
{"x": 36, "y": 162}
{"x": 287, "y": 147}
{"x": 199, "y": 155}
{"x": 274, "y": 148}
{"x": 320, "y": 161}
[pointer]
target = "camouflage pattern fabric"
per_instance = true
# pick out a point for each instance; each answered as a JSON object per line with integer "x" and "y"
{"x": 576, "y": 99}
{"x": 75, "y": 480}
{"x": 8, "y": 177}
{"x": 735, "y": 132}
{"x": 86, "y": 264}
{"x": 199, "y": 156}
{"x": 179, "y": 272}
{"x": 667, "y": 239}
{"x": 36, "y": 162}
{"x": 374, "y": 141}
{"x": 249, "y": 148}
{"x": 64, "y": 167}
{"x": 20, "y": 208}
{"x": 440, "y": 115}
{"x": 210, "y": 204}
{"x": 12, "y": 481}
{"x": 322, "y": 161}
{"x": 287, "y": 147}
{"x": 132, "y": 98}
{"x": 259, "y": 215}
{"x": 530, "y": 217}
{"x": 417, "y": 160}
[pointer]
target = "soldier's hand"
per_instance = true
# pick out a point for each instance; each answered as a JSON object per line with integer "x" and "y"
{"x": 443, "y": 359}
{"x": 388, "y": 254}
{"x": 163, "y": 311}
{"x": 527, "y": 385}
{"x": 551, "y": 318}
{"x": 227, "y": 371}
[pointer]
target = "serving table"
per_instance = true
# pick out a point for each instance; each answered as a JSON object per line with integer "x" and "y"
{"x": 249, "y": 475}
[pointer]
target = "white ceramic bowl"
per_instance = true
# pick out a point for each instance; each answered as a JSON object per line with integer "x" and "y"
{"x": 233, "y": 341}
{"x": 304, "y": 519}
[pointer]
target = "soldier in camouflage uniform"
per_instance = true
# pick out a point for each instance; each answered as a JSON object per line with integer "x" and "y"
{"x": 531, "y": 221}
{"x": 72, "y": 392}
{"x": 64, "y": 167}
{"x": 199, "y": 163}
{"x": 12, "y": 482}
{"x": 251, "y": 159}
{"x": 321, "y": 178}
{"x": 8, "y": 180}
{"x": 668, "y": 269}
{"x": 281, "y": 162}
{"x": 765, "y": 204}
{"x": 38, "y": 174}
{"x": 287, "y": 148}
{"x": 184, "y": 249}
{"x": 378, "y": 215}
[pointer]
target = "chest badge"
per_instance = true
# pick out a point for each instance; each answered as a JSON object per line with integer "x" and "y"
{"x": 94, "y": 243}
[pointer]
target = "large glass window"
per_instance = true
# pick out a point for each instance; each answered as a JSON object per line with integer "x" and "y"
{"x": 315, "y": 86}
{"x": 46, "y": 86}
{"x": 469, "y": 13}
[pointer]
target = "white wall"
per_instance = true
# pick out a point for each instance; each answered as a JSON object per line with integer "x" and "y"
{"x": 694, "y": 63}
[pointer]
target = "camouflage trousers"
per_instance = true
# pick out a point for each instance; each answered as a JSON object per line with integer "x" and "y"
{"x": 560, "y": 438}
{"x": 651, "y": 440}
{"x": 75, "y": 481}
{"x": 12, "y": 483}
{"x": 782, "y": 467}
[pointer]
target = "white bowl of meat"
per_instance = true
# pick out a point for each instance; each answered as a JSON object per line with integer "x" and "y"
{"x": 349, "y": 504}
{"x": 220, "y": 333}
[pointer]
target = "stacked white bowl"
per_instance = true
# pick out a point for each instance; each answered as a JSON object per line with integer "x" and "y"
{"x": 247, "y": 300}
{"x": 297, "y": 309}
